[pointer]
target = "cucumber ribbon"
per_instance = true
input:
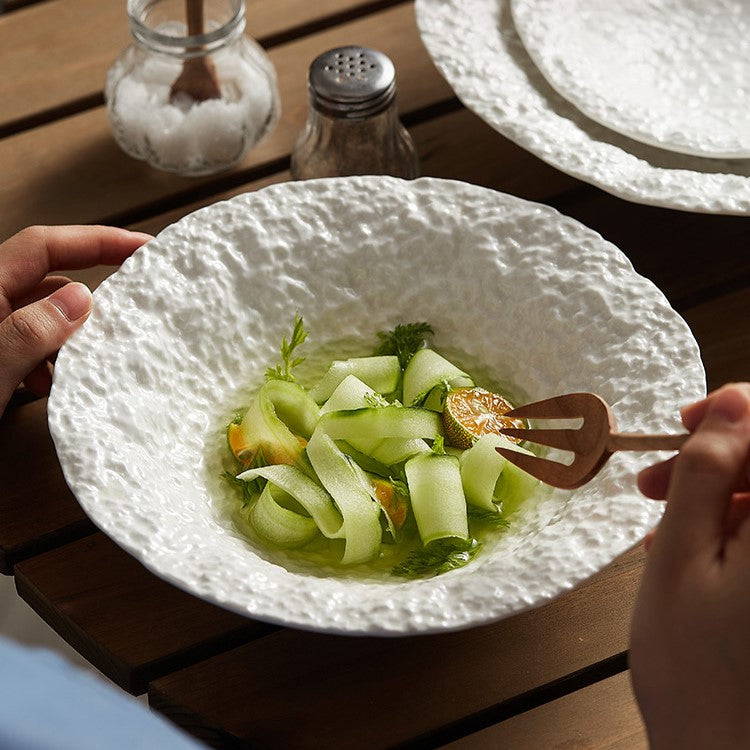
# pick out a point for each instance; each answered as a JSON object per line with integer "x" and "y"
{"x": 278, "y": 524}
{"x": 307, "y": 492}
{"x": 276, "y": 426}
{"x": 490, "y": 481}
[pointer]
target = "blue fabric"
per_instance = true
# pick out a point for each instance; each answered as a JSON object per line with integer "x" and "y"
{"x": 48, "y": 704}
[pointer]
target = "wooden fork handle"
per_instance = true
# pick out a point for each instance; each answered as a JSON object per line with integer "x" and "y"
{"x": 619, "y": 441}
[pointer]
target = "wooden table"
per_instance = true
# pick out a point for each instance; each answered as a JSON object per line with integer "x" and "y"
{"x": 553, "y": 677}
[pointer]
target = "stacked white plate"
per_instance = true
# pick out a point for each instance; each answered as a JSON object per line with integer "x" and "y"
{"x": 647, "y": 99}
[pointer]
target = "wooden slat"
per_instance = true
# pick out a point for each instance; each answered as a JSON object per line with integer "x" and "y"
{"x": 58, "y": 52}
{"x": 603, "y": 716}
{"x": 72, "y": 171}
{"x": 304, "y": 690}
{"x": 721, "y": 330}
{"x": 37, "y": 510}
{"x": 127, "y": 622}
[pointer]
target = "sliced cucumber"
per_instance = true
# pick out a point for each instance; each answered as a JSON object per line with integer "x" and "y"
{"x": 383, "y": 373}
{"x": 481, "y": 467}
{"x": 435, "y": 398}
{"x": 279, "y": 525}
{"x": 293, "y": 406}
{"x": 514, "y": 487}
{"x": 352, "y": 393}
{"x": 361, "y": 515}
{"x": 274, "y": 428}
{"x": 426, "y": 370}
{"x": 368, "y": 463}
{"x": 491, "y": 482}
{"x": 383, "y": 493}
{"x": 307, "y": 492}
{"x": 396, "y": 450}
{"x": 382, "y": 422}
{"x": 437, "y": 496}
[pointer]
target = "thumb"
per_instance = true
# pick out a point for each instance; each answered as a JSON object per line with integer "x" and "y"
{"x": 34, "y": 332}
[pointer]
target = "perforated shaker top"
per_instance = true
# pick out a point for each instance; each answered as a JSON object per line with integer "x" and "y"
{"x": 352, "y": 82}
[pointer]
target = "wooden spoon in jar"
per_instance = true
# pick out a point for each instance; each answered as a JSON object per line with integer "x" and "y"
{"x": 198, "y": 77}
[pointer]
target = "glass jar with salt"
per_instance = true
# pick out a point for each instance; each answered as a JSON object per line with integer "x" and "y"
{"x": 190, "y": 96}
{"x": 353, "y": 126}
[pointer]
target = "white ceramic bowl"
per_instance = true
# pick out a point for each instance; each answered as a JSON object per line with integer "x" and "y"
{"x": 183, "y": 332}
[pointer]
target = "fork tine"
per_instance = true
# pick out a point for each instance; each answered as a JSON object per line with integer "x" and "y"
{"x": 563, "y": 439}
{"x": 537, "y": 467}
{"x": 549, "y": 472}
{"x": 548, "y": 408}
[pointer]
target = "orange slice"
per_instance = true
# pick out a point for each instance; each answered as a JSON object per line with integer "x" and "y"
{"x": 394, "y": 504}
{"x": 469, "y": 413}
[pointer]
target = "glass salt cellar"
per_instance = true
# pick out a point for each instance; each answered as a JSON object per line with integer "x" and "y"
{"x": 353, "y": 126}
{"x": 170, "y": 129}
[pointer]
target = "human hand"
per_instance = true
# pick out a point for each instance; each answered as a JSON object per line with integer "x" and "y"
{"x": 38, "y": 312}
{"x": 689, "y": 652}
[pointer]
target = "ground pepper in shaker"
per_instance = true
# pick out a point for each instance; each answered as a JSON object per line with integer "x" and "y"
{"x": 352, "y": 126}
{"x": 152, "y": 114}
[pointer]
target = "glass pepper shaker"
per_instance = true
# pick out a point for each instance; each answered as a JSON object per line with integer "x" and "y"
{"x": 182, "y": 127}
{"x": 352, "y": 126}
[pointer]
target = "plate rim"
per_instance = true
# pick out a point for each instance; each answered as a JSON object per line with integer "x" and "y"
{"x": 683, "y": 186}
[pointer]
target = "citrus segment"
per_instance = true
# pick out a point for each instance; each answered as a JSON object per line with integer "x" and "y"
{"x": 469, "y": 413}
{"x": 394, "y": 504}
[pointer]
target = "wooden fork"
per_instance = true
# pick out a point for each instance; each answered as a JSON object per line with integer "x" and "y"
{"x": 591, "y": 444}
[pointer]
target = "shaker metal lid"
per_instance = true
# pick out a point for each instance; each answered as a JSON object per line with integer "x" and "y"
{"x": 352, "y": 82}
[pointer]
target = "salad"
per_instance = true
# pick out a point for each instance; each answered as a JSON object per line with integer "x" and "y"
{"x": 389, "y": 455}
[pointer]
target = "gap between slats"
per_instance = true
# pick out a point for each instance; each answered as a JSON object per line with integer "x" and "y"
{"x": 8, "y": 6}
{"x": 520, "y": 704}
{"x": 602, "y": 715}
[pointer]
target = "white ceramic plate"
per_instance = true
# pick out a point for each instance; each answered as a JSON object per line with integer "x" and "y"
{"x": 183, "y": 332}
{"x": 674, "y": 73}
{"x": 475, "y": 46}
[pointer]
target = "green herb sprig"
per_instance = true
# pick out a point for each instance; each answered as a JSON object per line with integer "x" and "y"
{"x": 377, "y": 401}
{"x": 438, "y": 557}
{"x": 487, "y": 516}
{"x": 248, "y": 489}
{"x": 283, "y": 371}
{"x": 405, "y": 340}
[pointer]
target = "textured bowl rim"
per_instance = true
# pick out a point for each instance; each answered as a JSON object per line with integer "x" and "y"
{"x": 457, "y": 600}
